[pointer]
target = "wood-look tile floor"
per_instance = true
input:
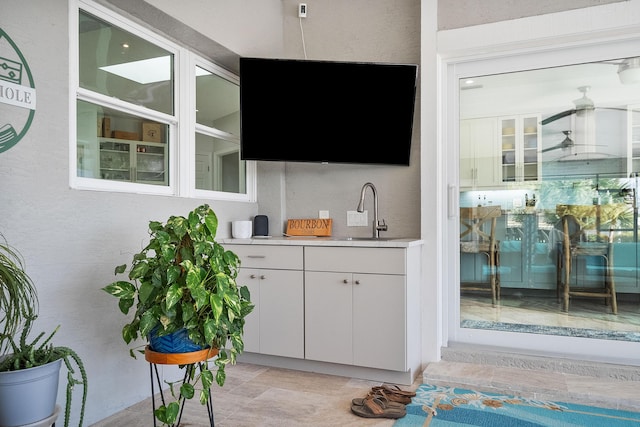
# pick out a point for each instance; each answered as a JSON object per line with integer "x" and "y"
{"x": 258, "y": 396}
{"x": 262, "y": 396}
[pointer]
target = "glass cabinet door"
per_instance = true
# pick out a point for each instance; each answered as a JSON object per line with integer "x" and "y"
{"x": 151, "y": 166}
{"x": 519, "y": 139}
{"x": 530, "y": 152}
{"x": 508, "y": 135}
{"x": 115, "y": 160}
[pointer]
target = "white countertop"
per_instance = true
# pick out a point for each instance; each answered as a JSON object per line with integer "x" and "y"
{"x": 384, "y": 242}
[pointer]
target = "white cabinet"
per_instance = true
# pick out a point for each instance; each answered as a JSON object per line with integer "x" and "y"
{"x": 275, "y": 280}
{"x": 633, "y": 121}
{"x": 479, "y": 165}
{"x": 135, "y": 161}
{"x": 520, "y": 148}
{"x": 356, "y": 306}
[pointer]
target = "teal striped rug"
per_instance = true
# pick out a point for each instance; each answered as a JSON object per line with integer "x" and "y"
{"x": 438, "y": 406}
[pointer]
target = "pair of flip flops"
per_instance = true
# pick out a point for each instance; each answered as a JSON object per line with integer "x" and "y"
{"x": 382, "y": 402}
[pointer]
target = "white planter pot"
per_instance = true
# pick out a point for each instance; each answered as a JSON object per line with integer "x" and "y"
{"x": 29, "y": 395}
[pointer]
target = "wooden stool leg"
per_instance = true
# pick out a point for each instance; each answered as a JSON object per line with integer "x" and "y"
{"x": 492, "y": 277}
{"x": 611, "y": 284}
{"x": 567, "y": 278}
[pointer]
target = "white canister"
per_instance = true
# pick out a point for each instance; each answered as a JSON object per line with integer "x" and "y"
{"x": 241, "y": 229}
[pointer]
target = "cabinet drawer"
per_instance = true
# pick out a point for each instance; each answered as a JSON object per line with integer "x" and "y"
{"x": 356, "y": 260}
{"x": 265, "y": 256}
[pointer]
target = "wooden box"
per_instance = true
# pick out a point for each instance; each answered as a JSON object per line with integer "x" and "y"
{"x": 120, "y": 134}
{"x": 106, "y": 126}
{"x": 320, "y": 227}
{"x": 151, "y": 132}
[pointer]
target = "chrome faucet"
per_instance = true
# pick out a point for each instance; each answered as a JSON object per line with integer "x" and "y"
{"x": 378, "y": 226}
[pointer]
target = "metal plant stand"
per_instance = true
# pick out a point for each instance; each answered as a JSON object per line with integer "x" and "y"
{"x": 191, "y": 360}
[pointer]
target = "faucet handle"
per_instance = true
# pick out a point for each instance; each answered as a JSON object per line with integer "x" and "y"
{"x": 381, "y": 225}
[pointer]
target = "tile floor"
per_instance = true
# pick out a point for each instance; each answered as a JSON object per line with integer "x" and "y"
{"x": 262, "y": 396}
{"x": 519, "y": 307}
{"x": 268, "y": 397}
{"x": 258, "y": 396}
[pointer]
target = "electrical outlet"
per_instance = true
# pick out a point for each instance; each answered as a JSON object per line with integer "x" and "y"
{"x": 357, "y": 219}
{"x": 302, "y": 10}
{"x": 323, "y": 214}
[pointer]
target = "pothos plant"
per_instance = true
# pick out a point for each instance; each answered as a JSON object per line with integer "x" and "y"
{"x": 184, "y": 279}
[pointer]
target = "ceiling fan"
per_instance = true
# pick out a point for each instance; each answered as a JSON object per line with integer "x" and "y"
{"x": 567, "y": 142}
{"x": 582, "y": 104}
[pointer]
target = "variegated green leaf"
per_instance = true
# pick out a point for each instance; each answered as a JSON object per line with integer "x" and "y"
{"x": 174, "y": 294}
{"x": 147, "y": 323}
{"x": 121, "y": 289}
{"x": 216, "y": 306}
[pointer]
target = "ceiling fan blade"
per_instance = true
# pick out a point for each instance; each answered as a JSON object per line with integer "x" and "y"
{"x": 555, "y": 147}
{"x": 555, "y": 117}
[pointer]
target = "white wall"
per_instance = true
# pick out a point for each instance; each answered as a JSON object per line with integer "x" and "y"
{"x": 71, "y": 239}
{"x": 357, "y": 30}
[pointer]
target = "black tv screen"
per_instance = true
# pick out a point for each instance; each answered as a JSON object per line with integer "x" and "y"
{"x": 326, "y": 111}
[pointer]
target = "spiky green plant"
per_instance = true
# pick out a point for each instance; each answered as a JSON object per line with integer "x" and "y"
{"x": 27, "y": 355}
{"x": 18, "y": 296}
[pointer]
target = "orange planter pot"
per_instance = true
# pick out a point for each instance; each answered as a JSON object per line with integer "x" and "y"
{"x": 179, "y": 358}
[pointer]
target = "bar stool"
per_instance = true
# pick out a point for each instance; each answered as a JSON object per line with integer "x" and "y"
{"x": 577, "y": 222}
{"x": 190, "y": 359}
{"x": 475, "y": 240}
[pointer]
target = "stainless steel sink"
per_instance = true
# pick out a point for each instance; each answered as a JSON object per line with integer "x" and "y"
{"x": 371, "y": 239}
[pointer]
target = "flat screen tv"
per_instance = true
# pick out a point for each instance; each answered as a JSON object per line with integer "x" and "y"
{"x": 326, "y": 111}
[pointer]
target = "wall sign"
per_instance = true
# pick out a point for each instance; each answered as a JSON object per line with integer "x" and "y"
{"x": 17, "y": 94}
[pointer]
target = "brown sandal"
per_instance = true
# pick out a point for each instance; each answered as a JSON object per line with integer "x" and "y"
{"x": 394, "y": 394}
{"x": 392, "y": 397}
{"x": 375, "y": 408}
{"x": 380, "y": 399}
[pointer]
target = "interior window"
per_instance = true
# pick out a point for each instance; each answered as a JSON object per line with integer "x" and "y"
{"x": 119, "y": 64}
{"x": 130, "y": 133}
{"x": 217, "y": 161}
{"x": 549, "y": 165}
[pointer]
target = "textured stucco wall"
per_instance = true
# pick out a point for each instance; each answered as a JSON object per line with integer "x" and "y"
{"x": 465, "y": 13}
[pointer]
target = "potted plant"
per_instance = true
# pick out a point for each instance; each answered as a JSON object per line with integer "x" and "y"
{"x": 184, "y": 282}
{"x": 29, "y": 371}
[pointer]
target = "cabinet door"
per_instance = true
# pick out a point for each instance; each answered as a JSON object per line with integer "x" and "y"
{"x": 379, "y": 316}
{"x": 151, "y": 163}
{"x": 328, "y": 319}
{"x": 478, "y": 154}
{"x": 251, "y": 279}
{"x": 276, "y": 324}
{"x": 633, "y": 132}
{"x": 115, "y": 160}
{"x": 520, "y": 148}
{"x": 282, "y": 313}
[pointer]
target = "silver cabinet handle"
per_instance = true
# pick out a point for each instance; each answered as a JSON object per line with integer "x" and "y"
{"x": 345, "y": 281}
{"x": 263, "y": 277}
{"x": 357, "y": 282}
{"x": 253, "y": 276}
{"x": 256, "y": 256}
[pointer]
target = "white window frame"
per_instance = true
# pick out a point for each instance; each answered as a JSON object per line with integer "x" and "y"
{"x": 460, "y": 65}
{"x": 182, "y": 125}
